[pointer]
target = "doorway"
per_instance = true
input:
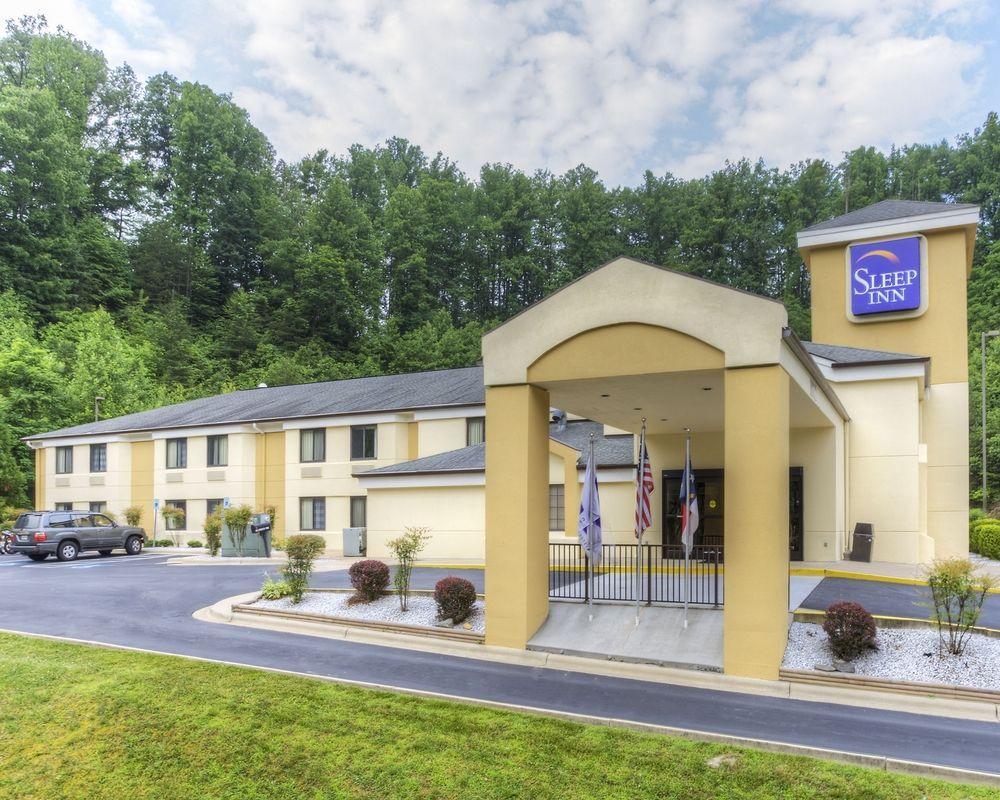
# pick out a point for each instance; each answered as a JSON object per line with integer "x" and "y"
{"x": 710, "y": 487}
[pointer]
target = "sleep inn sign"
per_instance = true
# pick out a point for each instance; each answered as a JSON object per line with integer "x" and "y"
{"x": 886, "y": 276}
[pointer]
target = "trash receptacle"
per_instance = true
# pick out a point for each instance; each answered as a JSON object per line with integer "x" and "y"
{"x": 861, "y": 546}
{"x": 354, "y": 541}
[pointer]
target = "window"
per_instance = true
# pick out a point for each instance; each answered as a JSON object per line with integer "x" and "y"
{"x": 64, "y": 460}
{"x": 101, "y": 521}
{"x": 312, "y": 514}
{"x": 218, "y": 451}
{"x": 557, "y": 507}
{"x": 176, "y": 523}
{"x": 475, "y": 430}
{"x": 61, "y": 520}
{"x": 359, "y": 512}
{"x": 64, "y": 506}
{"x": 177, "y": 453}
{"x": 99, "y": 506}
{"x": 312, "y": 445}
{"x": 213, "y": 505}
{"x": 98, "y": 458}
{"x": 362, "y": 442}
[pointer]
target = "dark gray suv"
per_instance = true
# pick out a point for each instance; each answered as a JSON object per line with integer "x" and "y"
{"x": 65, "y": 534}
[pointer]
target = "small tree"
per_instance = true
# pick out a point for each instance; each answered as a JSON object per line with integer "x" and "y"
{"x": 213, "y": 532}
{"x": 958, "y": 591}
{"x": 133, "y": 516}
{"x": 173, "y": 516}
{"x": 302, "y": 552}
{"x": 850, "y": 628}
{"x": 406, "y": 548}
{"x": 237, "y": 519}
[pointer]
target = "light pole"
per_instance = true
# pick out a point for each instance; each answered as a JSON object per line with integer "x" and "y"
{"x": 97, "y": 408}
{"x": 987, "y": 335}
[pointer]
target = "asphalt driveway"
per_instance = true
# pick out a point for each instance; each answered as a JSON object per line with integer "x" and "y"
{"x": 142, "y": 602}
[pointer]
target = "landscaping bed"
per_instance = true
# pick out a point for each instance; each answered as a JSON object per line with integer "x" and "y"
{"x": 421, "y": 610}
{"x": 903, "y": 654}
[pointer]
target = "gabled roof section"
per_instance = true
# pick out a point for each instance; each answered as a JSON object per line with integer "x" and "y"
{"x": 886, "y": 210}
{"x": 383, "y": 393}
{"x": 609, "y": 451}
{"x": 842, "y": 356}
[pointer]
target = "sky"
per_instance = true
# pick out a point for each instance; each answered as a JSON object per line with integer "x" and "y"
{"x": 623, "y": 86}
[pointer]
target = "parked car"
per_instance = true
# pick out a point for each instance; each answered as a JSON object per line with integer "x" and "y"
{"x": 65, "y": 534}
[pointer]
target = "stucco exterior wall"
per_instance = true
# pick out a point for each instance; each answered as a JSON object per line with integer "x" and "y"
{"x": 454, "y": 515}
{"x": 82, "y": 487}
{"x": 439, "y": 436}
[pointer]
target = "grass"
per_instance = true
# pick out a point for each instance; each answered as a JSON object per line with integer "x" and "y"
{"x": 86, "y": 722}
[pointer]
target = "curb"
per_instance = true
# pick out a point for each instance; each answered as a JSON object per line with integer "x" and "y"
{"x": 876, "y": 762}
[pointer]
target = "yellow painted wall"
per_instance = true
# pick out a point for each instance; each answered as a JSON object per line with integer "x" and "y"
{"x": 516, "y": 513}
{"x": 454, "y": 515}
{"x": 755, "y": 617}
{"x": 142, "y": 483}
{"x": 40, "y": 477}
{"x": 269, "y": 478}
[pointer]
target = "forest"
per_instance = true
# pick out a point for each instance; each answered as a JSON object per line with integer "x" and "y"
{"x": 154, "y": 248}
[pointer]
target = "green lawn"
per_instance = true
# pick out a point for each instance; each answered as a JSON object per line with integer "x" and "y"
{"x": 83, "y": 722}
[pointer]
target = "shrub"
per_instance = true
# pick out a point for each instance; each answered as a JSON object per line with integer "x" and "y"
{"x": 237, "y": 519}
{"x": 274, "y": 590}
{"x": 958, "y": 592}
{"x": 987, "y": 540}
{"x": 164, "y": 542}
{"x": 213, "y": 533}
{"x": 455, "y": 598}
{"x": 302, "y": 551}
{"x": 194, "y": 543}
{"x": 133, "y": 516}
{"x": 851, "y": 630}
{"x": 369, "y": 579}
{"x": 406, "y": 548}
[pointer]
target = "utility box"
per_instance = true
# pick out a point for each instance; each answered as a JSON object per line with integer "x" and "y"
{"x": 256, "y": 542}
{"x": 861, "y": 545}
{"x": 355, "y": 541}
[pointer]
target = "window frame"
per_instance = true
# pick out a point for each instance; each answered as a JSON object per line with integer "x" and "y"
{"x": 102, "y": 448}
{"x": 364, "y": 430}
{"x": 557, "y": 509}
{"x": 64, "y": 459}
{"x": 221, "y": 440}
{"x": 218, "y": 501}
{"x": 63, "y": 508}
{"x": 168, "y": 523}
{"x": 359, "y": 500}
{"x": 103, "y": 507}
{"x": 316, "y": 502}
{"x": 180, "y": 453}
{"x": 314, "y": 434}
{"x": 470, "y": 422}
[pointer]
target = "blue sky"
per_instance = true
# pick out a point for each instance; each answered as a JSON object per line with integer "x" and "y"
{"x": 676, "y": 86}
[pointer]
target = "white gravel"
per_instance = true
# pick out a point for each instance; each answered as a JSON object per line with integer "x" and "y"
{"x": 421, "y": 610}
{"x": 905, "y": 654}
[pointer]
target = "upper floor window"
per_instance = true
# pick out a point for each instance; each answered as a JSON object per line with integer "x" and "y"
{"x": 312, "y": 445}
{"x": 557, "y": 507}
{"x": 98, "y": 458}
{"x": 177, "y": 453}
{"x": 475, "y": 430}
{"x": 218, "y": 451}
{"x": 363, "y": 442}
{"x": 64, "y": 460}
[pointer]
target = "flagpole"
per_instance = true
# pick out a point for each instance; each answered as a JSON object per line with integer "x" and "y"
{"x": 590, "y": 538}
{"x": 638, "y": 519}
{"x": 687, "y": 500}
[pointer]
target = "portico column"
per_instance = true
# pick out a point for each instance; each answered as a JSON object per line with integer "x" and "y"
{"x": 756, "y": 502}
{"x": 517, "y": 550}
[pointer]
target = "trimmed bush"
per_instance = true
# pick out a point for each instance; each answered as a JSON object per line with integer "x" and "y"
{"x": 454, "y": 597}
{"x": 976, "y": 513}
{"x": 133, "y": 516}
{"x": 302, "y": 551}
{"x": 194, "y": 543}
{"x": 237, "y": 519}
{"x": 851, "y": 630}
{"x": 369, "y": 579}
{"x": 988, "y": 541}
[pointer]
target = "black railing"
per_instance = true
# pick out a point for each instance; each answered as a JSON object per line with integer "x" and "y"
{"x": 662, "y": 577}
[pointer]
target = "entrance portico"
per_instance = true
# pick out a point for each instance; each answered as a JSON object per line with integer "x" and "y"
{"x": 632, "y": 340}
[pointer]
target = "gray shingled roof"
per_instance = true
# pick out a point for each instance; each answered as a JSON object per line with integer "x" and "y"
{"x": 885, "y": 210}
{"x": 853, "y": 356}
{"x": 609, "y": 451}
{"x": 447, "y": 387}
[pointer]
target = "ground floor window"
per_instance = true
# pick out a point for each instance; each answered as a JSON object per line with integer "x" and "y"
{"x": 98, "y": 506}
{"x": 557, "y": 507}
{"x": 312, "y": 514}
{"x": 213, "y": 505}
{"x": 63, "y": 507}
{"x": 176, "y": 521}
{"x": 359, "y": 512}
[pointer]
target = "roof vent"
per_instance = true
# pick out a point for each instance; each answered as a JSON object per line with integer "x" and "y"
{"x": 261, "y": 385}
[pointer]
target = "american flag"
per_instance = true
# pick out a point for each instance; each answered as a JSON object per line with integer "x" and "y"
{"x": 643, "y": 489}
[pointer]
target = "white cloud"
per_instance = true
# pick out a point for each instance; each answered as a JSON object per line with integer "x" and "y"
{"x": 683, "y": 84}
